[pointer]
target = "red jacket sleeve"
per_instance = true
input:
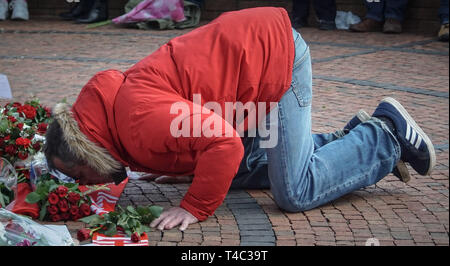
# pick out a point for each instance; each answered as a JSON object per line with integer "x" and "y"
{"x": 218, "y": 150}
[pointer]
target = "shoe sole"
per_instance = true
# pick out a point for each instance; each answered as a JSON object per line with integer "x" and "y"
{"x": 402, "y": 170}
{"x": 416, "y": 127}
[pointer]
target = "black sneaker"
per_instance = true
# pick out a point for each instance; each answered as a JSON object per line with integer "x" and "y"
{"x": 416, "y": 147}
{"x": 400, "y": 170}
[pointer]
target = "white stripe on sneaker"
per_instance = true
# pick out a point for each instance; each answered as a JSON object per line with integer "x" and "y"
{"x": 408, "y": 132}
{"x": 419, "y": 140}
{"x": 414, "y": 137}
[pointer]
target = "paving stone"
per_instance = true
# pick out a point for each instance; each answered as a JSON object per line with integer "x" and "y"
{"x": 257, "y": 227}
{"x": 262, "y": 238}
{"x": 256, "y": 233}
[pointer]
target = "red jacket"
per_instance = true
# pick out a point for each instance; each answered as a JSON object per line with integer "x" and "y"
{"x": 243, "y": 56}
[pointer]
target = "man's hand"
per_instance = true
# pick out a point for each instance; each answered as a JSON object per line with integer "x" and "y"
{"x": 173, "y": 217}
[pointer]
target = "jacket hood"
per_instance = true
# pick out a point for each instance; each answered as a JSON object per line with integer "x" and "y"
{"x": 89, "y": 126}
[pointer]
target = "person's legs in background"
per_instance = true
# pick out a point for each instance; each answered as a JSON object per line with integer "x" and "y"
{"x": 326, "y": 13}
{"x": 97, "y": 13}
{"x": 394, "y": 15}
{"x": 80, "y": 10}
{"x": 4, "y": 10}
{"x": 19, "y": 9}
{"x": 300, "y": 13}
{"x": 443, "y": 34}
{"x": 374, "y": 17}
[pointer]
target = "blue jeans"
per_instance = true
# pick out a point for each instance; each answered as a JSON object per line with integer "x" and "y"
{"x": 384, "y": 9}
{"x": 443, "y": 12}
{"x": 306, "y": 170}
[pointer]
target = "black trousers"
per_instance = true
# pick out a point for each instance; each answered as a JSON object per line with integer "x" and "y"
{"x": 325, "y": 10}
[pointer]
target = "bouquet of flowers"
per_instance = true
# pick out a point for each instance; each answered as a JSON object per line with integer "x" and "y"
{"x": 17, "y": 230}
{"x": 133, "y": 222}
{"x": 22, "y": 130}
{"x": 59, "y": 201}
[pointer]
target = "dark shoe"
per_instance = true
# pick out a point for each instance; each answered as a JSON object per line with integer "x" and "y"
{"x": 443, "y": 33}
{"x": 366, "y": 25}
{"x": 416, "y": 146}
{"x": 392, "y": 26}
{"x": 327, "y": 25}
{"x": 400, "y": 170}
{"x": 299, "y": 23}
{"x": 79, "y": 10}
{"x": 98, "y": 12}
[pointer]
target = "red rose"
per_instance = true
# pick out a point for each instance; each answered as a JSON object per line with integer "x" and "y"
{"x": 83, "y": 234}
{"x": 135, "y": 237}
{"x": 28, "y": 110}
{"x": 73, "y": 197}
{"x": 52, "y": 209}
{"x": 37, "y": 146}
{"x": 55, "y": 218}
{"x": 62, "y": 191}
{"x": 74, "y": 210}
{"x": 42, "y": 128}
{"x": 16, "y": 104}
{"x": 85, "y": 209}
{"x": 63, "y": 205}
{"x": 65, "y": 216}
{"x": 7, "y": 137}
{"x": 20, "y": 126}
{"x": 23, "y": 142}
{"x": 22, "y": 155}
{"x": 12, "y": 119}
{"x": 53, "y": 198}
{"x": 11, "y": 149}
{"x": 48, "y": 111}
{"x": 75, "y": 217}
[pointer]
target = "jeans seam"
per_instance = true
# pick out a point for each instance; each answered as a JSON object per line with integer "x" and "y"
{"x": 302, "y": 59}
{"x": 284, "y": 160}
{"x": 386, "y": 128}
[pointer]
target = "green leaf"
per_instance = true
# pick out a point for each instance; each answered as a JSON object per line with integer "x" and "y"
{"x": 128, "y": 232}
{"x": 143, "y": 210}
{"x": 33, "y": 197}
{"x": 156, "y": 211}
{"x": 132, "y": 223}
{"x": 132, "y": 210}
{"x": 145, "y": 228}
{"x": 92, "y": 220}
{"x": 111, "y": 230}
{"x": 72, "y": 186}
{"x": 43, "y": 211}
{"x": 52, "y": 186}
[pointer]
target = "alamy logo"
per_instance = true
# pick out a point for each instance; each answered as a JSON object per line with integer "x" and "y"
{"x": 214, "y": 119}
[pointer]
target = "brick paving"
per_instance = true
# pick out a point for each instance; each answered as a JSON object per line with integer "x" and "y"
{"x": 52, "y": 60}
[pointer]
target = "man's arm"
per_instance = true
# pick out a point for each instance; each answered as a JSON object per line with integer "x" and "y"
{"x": 218, "y": 160}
